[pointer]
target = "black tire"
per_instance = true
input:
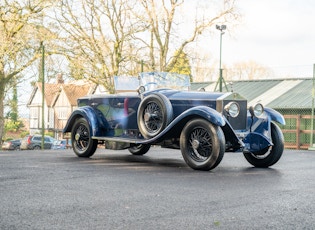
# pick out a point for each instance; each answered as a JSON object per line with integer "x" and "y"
{"x": 270, "y": 155}
{"x": 36, "y": 147}
{"x": 154, "y": 114}
{"x": 139, "y": 149}
{"x": 82, "y": 143}
{"x": 202, "y": 144}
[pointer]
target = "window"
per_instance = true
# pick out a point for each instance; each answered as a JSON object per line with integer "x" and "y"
{"x": 63, "y": 113}
{"x": 37, "y": 138}
{"x": 34, "y": 112}
{"x": 47, "y": 139}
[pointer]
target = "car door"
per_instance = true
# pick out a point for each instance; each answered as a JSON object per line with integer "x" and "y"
{"x": 48, "y": 143}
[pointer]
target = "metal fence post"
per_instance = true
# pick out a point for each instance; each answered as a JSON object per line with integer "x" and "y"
{"x": 312, "y": 146}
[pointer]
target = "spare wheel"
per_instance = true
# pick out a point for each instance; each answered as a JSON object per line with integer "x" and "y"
{"x": 154, "y": 114}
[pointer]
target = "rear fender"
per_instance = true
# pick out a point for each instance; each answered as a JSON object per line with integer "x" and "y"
{"x": 97, "y": 123}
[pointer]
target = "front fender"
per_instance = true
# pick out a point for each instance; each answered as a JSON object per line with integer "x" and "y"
{"x": 205, "y": 112}
{"x": 255, "y": 142}
{"x": 260, "y": 136}
{"x": 179, "y": 122}
{"x": 97, "y": 123}
{"x": 275, "y": 116}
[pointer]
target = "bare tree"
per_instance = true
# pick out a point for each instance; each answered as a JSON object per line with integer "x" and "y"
{"x": 165, "y": 24}
{"x": 104, "y": 38}
{"x": 203, "y": 65}
{"x": 20, "y": 25}
{"x": 248, "y": 71}
{"x": 98, "y": 38}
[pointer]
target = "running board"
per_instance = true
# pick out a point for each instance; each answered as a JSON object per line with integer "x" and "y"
{"x": 122, "y": 139}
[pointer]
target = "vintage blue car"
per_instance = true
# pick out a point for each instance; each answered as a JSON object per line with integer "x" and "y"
{"x": 203, "y": 125}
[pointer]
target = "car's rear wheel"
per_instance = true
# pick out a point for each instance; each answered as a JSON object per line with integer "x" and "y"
{"x": 154, "y": 114}
{"x": 82, "y": 143}
{"x": 202, "y": 144}
{"x": 268, "y": 156}
{"x": 139, "y": 149}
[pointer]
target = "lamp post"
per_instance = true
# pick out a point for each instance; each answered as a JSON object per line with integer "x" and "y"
{"x": 221, "y": 28}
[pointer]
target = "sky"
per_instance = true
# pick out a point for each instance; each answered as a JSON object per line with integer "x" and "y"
{"x": 279, "y": 34}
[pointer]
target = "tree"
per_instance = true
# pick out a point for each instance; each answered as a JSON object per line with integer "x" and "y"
{"x": 12, "y": 123}
{"x": 180, "y": 64}
{"x": 248, "y": 71}
{"x": 165, "y": 22}
{"x": 20, "y": 22}
{"x": 98, "y": 38}
{"x": 102, "y": 39}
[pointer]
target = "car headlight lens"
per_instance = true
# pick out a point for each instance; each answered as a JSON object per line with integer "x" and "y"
{"x": 233, "y": 109}
{"x": 258, "y": 109}
{"x": 141, "y": 89}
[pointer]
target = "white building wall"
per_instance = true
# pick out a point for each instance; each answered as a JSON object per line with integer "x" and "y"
{"x": 36, "y": 114}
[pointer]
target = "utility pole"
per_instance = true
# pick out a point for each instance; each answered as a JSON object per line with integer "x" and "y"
{"x": 42, "y": 72}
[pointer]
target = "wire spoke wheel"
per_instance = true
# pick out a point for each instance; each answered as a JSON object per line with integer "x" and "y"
{"x": 202, "y": 144}
{"x": 140, "y": 149}
{"x": 154, "y": 114}
{"x": 82, "y": 142}
{"x": 153, "y": 117}
{"x": 82, "y": 138}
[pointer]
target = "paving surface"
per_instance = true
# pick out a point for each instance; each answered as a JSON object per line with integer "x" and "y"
{"x": 54, "y": 189}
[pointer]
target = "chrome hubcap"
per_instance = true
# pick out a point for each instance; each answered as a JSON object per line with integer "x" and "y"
{"x": 77, "y": 137}
{"x": 195, "y": 144}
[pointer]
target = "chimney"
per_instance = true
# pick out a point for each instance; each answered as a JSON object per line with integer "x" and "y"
{"x": 59, "y": 79}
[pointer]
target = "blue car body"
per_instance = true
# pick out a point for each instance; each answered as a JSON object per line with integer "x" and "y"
{"x": 158, "y": 117}
{"x": 111, "y": 119}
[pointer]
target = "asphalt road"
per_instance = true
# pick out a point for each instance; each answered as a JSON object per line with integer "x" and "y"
{"x": 114, "y": 190}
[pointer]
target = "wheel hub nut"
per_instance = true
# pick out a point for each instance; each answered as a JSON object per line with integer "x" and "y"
{"x": 195, "y": 144}
{"x": 147, "y": 117}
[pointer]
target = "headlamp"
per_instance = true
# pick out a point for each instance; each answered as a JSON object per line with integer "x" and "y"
{"x": 233, "y": 109}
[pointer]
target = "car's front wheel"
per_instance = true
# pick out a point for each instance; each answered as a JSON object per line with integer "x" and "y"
{"x": 82, "y": 143}
{"x": 139, "y": 149}
{"x": 270, "y": 155}
{"x": 202, "y": 144}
